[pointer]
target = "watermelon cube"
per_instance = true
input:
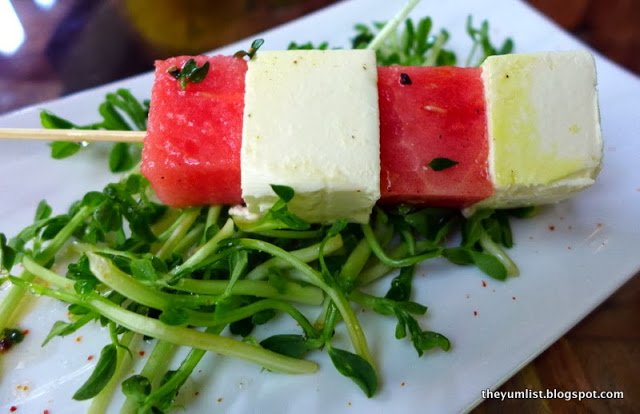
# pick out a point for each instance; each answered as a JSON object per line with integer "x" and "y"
{"x": 428, "y": 113}
{"x": 191, "y": 152}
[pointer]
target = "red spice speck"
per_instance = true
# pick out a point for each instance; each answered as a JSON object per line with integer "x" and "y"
{"x": 90, "y": 358}
{"x": 475, "y": 313}
{"x": 78, "y": 339}
{"x": 26, "y": 332}
{"x": 484, "y": 283}
{"x": 141, "y": 353}
{"x": 552, "y": 227}
{"x": 45, "y": 412}
{"x": 13, "y": 408}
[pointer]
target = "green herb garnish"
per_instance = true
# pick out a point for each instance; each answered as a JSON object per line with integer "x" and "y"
{"x": 190, "y": 73}
{"x": 253, "y": 49}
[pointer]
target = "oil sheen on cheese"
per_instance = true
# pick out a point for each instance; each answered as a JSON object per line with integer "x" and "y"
{"x": 311, "y": 122}
{"x": 544, "y": 127}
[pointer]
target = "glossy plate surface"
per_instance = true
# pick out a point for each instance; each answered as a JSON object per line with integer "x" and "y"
{"x": 571, "y": 257}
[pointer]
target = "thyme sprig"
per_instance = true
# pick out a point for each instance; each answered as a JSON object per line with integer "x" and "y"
{"x": 189, "y": 73}
{"x": 253, "y": 49}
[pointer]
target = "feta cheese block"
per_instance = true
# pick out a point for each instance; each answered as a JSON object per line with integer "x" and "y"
{"x": 543, "y": 126}
{"x": 311, "y": 122}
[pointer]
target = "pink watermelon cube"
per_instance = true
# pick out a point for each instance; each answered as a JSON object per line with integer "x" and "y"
{"x": 428, "y": 113}
{"x": 191, "y": 152}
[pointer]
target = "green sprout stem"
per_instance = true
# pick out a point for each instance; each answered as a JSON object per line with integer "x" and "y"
{"x": 190, "y": 239}
{"x": 64, "y": 234}
{"x": 290, "y": 291}
{"x": 196, "y": 339}
{"x": 265, "y": 304}
{"x": 204, "y": 251}
{"x": 122, "y": 283}
{"x": 177, "y": 335}
{"x": 382, "y": 256}
{"x": 213, "y": 214}
{"x": 306, "y": 254}
{"x": 354, "y": 328}
{"x": 11, "y": 302}
{"x": 158, "y": 361}
{"x": 378, "y": 269}
{"x": 432, "y": 59}
{"x": 178, "y": 378}
{"x": 100, "y": 402}
{"x": 290, "y": 234}
{"x": 392, "y": 25}
{"x": 154, "y": 368}
{"x": 184, "y": 223}
{"x": 494, "y": 249}
{"x": 355, "y": 262}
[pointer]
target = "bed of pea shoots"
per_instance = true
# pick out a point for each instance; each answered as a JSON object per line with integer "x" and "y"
{"x": 203, "y": 279}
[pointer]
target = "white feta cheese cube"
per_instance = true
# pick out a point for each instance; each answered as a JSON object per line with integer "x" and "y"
{"x": 544, "y": 126}
{"x": 311, "y": 122}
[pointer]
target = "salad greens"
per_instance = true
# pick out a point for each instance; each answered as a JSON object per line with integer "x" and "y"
{"x": 204, "y": 279}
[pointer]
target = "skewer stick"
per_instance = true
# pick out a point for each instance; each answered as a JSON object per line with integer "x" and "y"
{"x": 72, "y": 135}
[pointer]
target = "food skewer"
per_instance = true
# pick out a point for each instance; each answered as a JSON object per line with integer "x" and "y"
{"x": 345, "y": 134}
{"x": 520, "y": 130}
{"x": 72, "y": 135}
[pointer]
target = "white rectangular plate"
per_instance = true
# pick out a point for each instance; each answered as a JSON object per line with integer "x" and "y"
{"x": 571, "y": 257}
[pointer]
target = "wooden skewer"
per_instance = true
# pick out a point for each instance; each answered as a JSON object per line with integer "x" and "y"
{"x": 72, "y": 135}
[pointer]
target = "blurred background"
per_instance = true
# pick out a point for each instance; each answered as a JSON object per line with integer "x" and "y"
{"x": 48, "y": 49}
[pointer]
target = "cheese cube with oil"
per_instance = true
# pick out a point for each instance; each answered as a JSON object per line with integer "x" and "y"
{"x": 311, "y": 122}
{"x": 543, "y": 126}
